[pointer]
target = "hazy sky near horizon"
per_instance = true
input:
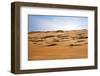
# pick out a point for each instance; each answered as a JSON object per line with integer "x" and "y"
{"x": 53, "y": 23}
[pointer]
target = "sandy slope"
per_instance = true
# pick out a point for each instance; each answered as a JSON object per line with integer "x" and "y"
{"x": 57, "y": 45}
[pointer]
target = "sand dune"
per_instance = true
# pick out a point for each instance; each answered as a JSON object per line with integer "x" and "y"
{"x": 57, "y": 45}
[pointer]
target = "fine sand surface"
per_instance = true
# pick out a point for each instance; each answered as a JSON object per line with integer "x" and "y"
{"x": 57, "y": 45}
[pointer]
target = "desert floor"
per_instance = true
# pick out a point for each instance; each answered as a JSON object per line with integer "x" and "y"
{"x": 57, "y": 45}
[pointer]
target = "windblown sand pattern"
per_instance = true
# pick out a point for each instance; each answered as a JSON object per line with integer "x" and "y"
{"x": 57, "y": 45}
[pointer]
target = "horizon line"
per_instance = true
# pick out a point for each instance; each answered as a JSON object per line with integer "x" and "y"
{"x": 58, "y": 30}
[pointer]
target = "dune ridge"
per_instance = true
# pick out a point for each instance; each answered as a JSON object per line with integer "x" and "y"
{"x": 49, "y": 45}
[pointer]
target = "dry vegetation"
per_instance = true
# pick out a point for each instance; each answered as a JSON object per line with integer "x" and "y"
{"x": 57, "y": 45}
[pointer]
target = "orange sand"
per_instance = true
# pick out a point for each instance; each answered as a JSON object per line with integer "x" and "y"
{"x": 57, "y": 45}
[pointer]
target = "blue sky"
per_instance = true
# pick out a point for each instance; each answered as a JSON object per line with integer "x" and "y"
{"x": 53, "y": 23}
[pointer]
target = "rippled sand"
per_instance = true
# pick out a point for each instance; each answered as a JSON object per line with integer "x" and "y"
{"x": 57, "y": 45}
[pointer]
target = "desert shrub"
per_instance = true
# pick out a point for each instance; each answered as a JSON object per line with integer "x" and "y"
{"x": 47, "y": 36}
{"x": 71, "y": 45}
{"x": 82, "y": 37}
{"x": 86, "y": 43}
{"x": 75, "y": 45}
{"x": 51, "y": 44}
{"x": 34, "y": 43}
{"x": 59, "y": 31}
